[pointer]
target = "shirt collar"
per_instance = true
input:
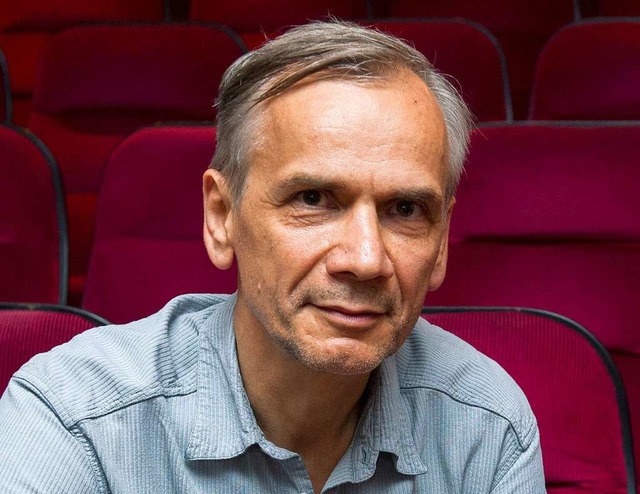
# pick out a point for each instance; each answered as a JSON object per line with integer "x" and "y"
{"x": 225, "y": 425}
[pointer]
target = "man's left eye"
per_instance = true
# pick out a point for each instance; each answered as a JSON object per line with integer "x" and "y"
{"x": 406, "y": 209}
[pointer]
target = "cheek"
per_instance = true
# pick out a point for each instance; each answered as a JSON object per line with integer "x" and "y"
{"x": 413, "y": 262}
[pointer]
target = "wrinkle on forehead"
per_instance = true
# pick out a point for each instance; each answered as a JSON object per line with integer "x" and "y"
{"x": 360, "y": 122}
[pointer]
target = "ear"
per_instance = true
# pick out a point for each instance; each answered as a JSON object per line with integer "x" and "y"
{"x": 218, "y": 219}
{"x": 440, "y": 268}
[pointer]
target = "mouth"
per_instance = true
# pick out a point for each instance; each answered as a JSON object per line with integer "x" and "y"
{"x": 352, "y": 317}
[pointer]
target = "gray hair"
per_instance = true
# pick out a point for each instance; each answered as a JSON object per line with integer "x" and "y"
{"x": 323, "y": 50}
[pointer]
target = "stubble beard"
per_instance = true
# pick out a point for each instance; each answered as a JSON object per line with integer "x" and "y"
{"x": 339, "y": 363}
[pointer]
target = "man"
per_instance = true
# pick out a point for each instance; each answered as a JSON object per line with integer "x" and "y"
{"x": 339, "y": 150}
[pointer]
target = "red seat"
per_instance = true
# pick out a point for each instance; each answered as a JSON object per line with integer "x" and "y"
{"x": 29, "y": 329}
{"x": 5, "y": 91}
{"x": 573, "y": 388}
{"x": 521, "y": 26}
{"x": 260, "y": 15}
{"x": 148, "y": 246}
{"x": 466, "y": 52}
{"x": 33, "y": 240}
{"x": 26, "y": 26}
{"x": 98, "y": 84}
{"x": 546, "y": 217}
{"x": 610, "y": 8}
{"x": 566, "y": 85}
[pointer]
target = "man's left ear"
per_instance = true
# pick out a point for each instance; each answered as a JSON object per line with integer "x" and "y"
{"x": 440, "y": 268}
{"x": 218, "y": 219}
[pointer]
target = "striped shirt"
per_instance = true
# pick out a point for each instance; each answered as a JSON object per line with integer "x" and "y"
{"x": 158, "y": 406}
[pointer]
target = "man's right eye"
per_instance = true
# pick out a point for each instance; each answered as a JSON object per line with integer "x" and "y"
{"x": 310, "y": 197}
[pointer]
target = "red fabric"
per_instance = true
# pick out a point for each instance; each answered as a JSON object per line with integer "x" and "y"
{"x": 256, "y": 15}
{"x": 22, "y": 51}
{"x": 464, "y": 52}
{"x": 567, "y": 86}
{"x": 5, "y": 91}
{"x": 45, "y": 15}
{"x": 26, "y": 332}
{"x": 521, "y": 26}
{"x": 148, "y": 246}
{"x": 29, "y": 241}
{"x": 98, "y": 84}
{"x": 546, "y": 217}
{"x": 550, "y": 182}
{"x": 610, "y": 8}
{"x": 568, "y": 387}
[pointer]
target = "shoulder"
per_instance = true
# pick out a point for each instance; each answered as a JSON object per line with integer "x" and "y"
{"x": 110, "y": 367}
{"x": 436, "y": 360}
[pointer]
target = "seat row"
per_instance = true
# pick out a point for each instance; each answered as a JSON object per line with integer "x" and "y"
{"x": 570, "y": 381}
{"x": 98, "y": 84}
{"x": 546, "y": 217}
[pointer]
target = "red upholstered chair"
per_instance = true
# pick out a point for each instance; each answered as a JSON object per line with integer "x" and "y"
{"x": 547, "y": 216}
{"x": 610, "y": 8}
{"x": 256, "y": 20}
{"x": 148, "y": 246}
{"x": 589, "y": 71}
{"x": 33, "y": 238}
{"x": 572, "y": 385}
{"x": 270, "y": 15}
{"x": 5, "y": 91}
{"x": 29, "y": 329}
{"x": 521, "y": 26}
{"x": 469, "y": 54}
{"x": 26, "y": 26}
{"x": 98, "y": 84}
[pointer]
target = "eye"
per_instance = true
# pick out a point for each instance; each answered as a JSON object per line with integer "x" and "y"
{"x": 405, "y": 209}
{"x": 311, "y": 197}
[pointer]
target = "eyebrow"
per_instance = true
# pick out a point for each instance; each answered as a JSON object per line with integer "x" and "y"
{"x": 424, "y": 195}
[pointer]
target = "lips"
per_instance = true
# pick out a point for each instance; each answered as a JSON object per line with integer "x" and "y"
{"x": 356, "y": 317}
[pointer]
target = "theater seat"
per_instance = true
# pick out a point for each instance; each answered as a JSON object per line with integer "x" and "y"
{"x": 98, "y": 84}
{"x": 26, "y": 26}
{"x": 466, "y": 52}
{"x": 29, "y": 329}
{"x": 546, "y": 217}
{"x": 270, "y": 15}
{"x": 567, "y": 86}
{"x": 521, "y": 26}
{"x": 610, "y": 8}
{"x": 572, "y": 385}
{"x": 5, "y": 92}
{"x": 33, "y": 236}
{"x": 149, "y": 246}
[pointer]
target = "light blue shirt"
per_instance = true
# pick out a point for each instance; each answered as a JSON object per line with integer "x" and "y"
{"x": 158, "y": 406}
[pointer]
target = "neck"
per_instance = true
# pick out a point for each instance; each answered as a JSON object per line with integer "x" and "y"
{"x": 312, "y": 413}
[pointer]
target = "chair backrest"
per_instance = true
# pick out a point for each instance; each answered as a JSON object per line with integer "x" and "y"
{"x": 29, "y": 329}
{"x": 33, "y": 236}
{"x": 466, "y": 52}
{"x": 568, "y": 86}
{"x": 610, "y": 8}
{"x": 98, "y": 84}
{"x": 148, "y": 246}
{"x": 270, "y": 15}
{"x": 546, "y": 216}
{"x": 5, "y": 91}
{"x": 572, "y": 385}
{"x": 521, "y": 26}
{"x": 26, "y": 26}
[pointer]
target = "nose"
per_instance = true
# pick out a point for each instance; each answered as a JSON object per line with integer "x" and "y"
{"x": 358, "y": 249}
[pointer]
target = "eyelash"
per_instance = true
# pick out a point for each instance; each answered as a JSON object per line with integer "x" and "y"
{"x": 419, "y": 209}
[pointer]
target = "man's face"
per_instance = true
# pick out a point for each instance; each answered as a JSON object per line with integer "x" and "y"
{"x": 342, "y": 226}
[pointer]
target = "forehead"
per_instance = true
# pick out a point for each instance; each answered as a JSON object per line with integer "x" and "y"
{"x": 385, "y": 131}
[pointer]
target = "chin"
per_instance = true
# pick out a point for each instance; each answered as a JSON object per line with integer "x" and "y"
{"x": 344, "y": 358}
